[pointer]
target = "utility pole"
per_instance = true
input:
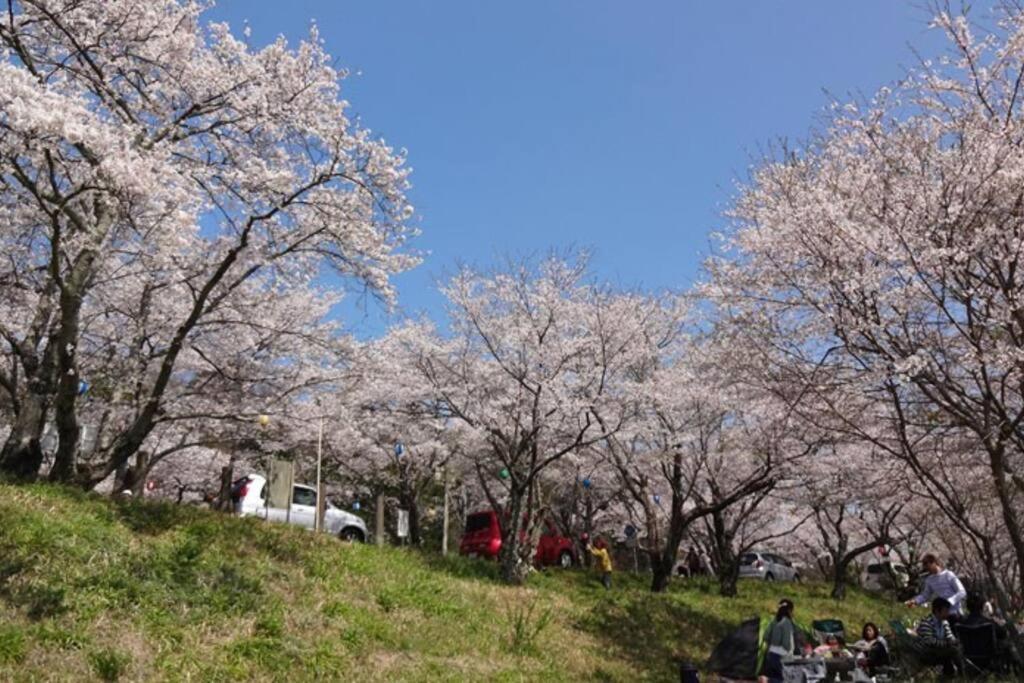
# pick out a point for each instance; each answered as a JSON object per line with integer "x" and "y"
{"x": 320, "y": 502}
{"x": 444, "y": 528}
{"x": 379, "y": 531}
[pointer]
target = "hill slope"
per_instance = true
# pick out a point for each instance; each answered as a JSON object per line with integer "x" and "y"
{"x": 91, "y": 589}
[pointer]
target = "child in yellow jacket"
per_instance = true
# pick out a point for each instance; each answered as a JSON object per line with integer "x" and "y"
{"x": 599, "y": 550}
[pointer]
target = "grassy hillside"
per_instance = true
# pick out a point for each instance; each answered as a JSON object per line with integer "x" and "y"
{"x": 96, "y": 590}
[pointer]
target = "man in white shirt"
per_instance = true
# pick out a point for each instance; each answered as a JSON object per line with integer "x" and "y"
{"x": 940, "y": 583}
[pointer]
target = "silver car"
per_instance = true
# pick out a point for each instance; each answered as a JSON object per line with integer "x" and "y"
{"x": 249, "y": 495}
{"x": 767, "y": 567}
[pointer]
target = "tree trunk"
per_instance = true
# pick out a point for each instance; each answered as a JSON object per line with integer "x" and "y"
{"x": 677, "y": 525}
{"x": 68, "y": 429}
{"x": 588, "y": 525}
{"x": 728, "y": 565}
{"x": 661, "y": 571}
{"x": 728, "y": 573}
{"x": 22, "y": 454}
{"x": 414, "y": 521}
{"x": 223, "y": 501}
{"x": 839, "y": 581}
{"x": 513, "y": 569}
{"x": 142, "y": 467}
{"x": 1008, "y": 506}
{"x": 728, "y": 578}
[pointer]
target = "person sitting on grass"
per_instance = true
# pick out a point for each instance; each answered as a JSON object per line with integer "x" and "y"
{"x": 599, "y": 549}
{"x": 874, "y": 651}
{"x": 832, "y": 648}
{"x": 935, "y": 644}
{"x": 1004, "y": 652}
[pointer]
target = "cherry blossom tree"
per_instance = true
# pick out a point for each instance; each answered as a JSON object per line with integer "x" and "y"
{"x": 854, "y": 501}
{"x": 884, "y": 257}
{"x": 138, "y": 142}
{"x": 391, "y": 436}
{"x": 527, "y": 368}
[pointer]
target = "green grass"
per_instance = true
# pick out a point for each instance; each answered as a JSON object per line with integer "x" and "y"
{"x": 92, "y": 589}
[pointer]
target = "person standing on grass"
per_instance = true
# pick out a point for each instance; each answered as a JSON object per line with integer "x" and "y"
{"x": 599, "y": 549}
{"x": 781, "y": 640}
{"x": 940, "y": 583}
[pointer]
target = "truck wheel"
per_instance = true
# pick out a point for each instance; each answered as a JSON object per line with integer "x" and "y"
{"x": 565, "y": 560}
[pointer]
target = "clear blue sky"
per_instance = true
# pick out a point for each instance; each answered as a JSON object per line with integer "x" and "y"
{"x": 617, "y": 126}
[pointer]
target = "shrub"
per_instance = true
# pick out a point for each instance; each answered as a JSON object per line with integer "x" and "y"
{"x": 525, "y": 625}
{"x": 12, "y": 644}
{"x": 108, "y": 664}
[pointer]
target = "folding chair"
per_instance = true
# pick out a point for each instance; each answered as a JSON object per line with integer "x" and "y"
{"x": 826, "y": 627}
{"x": 903, "y": 653}
{"x": 898, "y": 627}
{"x": 980, "y": 646}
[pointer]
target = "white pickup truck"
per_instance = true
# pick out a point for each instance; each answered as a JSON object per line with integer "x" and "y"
{"x": 249, "y": 495}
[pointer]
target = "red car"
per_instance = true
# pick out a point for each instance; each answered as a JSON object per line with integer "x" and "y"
{"x": 482, "y": 538}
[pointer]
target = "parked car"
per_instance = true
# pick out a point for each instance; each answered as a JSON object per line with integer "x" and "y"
{"x": 249, "y": 495}
{"x": 482, "y": 538}
{"x": 885, "y": 576}
{"x": 768, "y": 567}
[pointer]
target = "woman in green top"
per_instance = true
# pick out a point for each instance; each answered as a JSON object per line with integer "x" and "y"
{"x": 781, "y": 641}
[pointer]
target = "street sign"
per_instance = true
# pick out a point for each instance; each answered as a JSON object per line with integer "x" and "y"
{"x": 403, "y": 524}
{"x": 399, "y": 449}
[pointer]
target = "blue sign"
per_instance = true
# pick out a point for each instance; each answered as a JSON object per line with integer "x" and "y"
{"x": 657, "y": 499}
{"x": 586, "y": 483}
{"x": 83, "y": 387}
{"x": 355, "y": 506}
{"x": 399, "y": 449}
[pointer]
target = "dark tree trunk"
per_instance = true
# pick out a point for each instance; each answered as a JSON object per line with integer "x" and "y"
{"x": 728, "y": 578}
{"x": 413, "y": 508}
{"x": 142, "y": 467}
{"x": 22, "y": 453}
{"x": 728, "y": 565}
{"x": 661, "y": 569}
{"x": 223, "y": 500}
{"x": 588, "y": 525}
{"x": 661, "y": 572}
{"x": 513, "y": 569}
{"x": 839, "y": 581}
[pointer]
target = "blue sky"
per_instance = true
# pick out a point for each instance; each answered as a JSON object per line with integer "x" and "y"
{"x": 616, "y": 126}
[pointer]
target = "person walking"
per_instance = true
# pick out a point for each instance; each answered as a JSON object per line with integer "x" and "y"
{"x": 781, "y": 640}
{"x": 940, "y": 583}
{"x": 599, "y": 549}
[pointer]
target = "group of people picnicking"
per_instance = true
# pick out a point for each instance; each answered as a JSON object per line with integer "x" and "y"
{"x": 870, "y": 653}
{"x": 933, "y": 643}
